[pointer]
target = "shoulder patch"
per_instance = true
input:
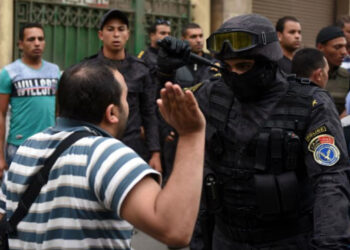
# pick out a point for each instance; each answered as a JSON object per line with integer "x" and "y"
{"x": 317, "y": 131}
{"x": 140, "y": 54}
{"x": 324, "y": 150}
{"x": 194, "y": 88}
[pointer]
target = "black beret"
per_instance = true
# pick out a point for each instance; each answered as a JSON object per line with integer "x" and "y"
{"x": 328, "y": 33}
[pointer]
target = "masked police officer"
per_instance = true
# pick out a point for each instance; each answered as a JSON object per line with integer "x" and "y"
{"x": 277, "y": 170}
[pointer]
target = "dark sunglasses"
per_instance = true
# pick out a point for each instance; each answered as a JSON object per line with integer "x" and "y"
{"x": 162, "y": 21}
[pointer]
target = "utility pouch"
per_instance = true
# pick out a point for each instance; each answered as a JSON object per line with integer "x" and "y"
{"x": 288, "y": 187}
{"x": 267, "y": 194}
{"x": 276, "y": 150}
{"x": 292, "y": 148}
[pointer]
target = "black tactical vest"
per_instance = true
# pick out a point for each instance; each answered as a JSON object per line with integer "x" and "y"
{"x": 264, "y": 181}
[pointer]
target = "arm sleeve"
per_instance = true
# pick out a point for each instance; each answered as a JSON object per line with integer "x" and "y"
{"x": 113, "y": 170}
{"x": 329, "y": 173}
{"x": 5, "y": 82}
{"x": 148, "y": 113}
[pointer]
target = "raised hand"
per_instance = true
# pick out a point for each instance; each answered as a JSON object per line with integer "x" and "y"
{"x": 180, "y": 109}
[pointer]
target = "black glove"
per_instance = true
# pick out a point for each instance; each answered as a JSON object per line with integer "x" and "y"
{"x": 173, "y": 53}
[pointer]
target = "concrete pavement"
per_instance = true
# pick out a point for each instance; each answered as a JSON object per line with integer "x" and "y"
{"x": 141, "y": 241}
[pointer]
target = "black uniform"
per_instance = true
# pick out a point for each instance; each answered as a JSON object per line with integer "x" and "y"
{"x": 150, "y": 58}
{"x": 285, "y": 64}
{"x": 193, "y": 73}
{"x": 142, "y": 105}
{"x": 280, "y": 166}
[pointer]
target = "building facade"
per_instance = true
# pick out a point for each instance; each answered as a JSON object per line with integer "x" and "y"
{"x": 71, "y": 25}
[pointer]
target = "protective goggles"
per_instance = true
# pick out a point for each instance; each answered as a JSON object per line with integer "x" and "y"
{"x": 239, "y": 40}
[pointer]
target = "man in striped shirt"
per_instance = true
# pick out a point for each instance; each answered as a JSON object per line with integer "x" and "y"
{"x": 98, "y": 185}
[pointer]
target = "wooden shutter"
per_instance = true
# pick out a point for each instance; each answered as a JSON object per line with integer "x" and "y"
{"x": 312, "y": 14}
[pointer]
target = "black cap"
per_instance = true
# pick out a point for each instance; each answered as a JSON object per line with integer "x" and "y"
{"x": 115, "y": 14}
{"x": 329, "y": 33}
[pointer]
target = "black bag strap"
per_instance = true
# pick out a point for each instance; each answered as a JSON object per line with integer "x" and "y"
{"x": 40, "y": 179}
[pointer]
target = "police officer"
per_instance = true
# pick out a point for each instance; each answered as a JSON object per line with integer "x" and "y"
{"x": 157, "y": 31}
{"x": 114, "y": 33}
{"x": 277, "y": 170}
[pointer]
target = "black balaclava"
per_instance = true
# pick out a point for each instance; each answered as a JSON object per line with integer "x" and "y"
{"x": 250, "y": 85}
{"x": 255, "y": 82}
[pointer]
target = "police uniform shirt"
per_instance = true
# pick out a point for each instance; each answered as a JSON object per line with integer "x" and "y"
{"x": 150, "y": 58}
{"x": 285, "y": 64}
{"x": 193, "y": 73}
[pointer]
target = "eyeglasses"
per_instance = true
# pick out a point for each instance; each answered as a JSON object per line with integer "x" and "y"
{"x": 163, "y": 21}
{"x": 239, "y": 40}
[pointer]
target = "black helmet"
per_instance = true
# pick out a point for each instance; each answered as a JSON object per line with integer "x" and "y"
{"x": 249, "y": 35}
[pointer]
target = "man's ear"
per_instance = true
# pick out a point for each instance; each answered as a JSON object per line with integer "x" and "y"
{"x": 100, "y": 35}
{"x": 20, "y": 44}
{"x": 316, "y": 75}
{"x": 320, "y": 46}
{"x": 279, "y": 35}
{"x": 112, "y": 114}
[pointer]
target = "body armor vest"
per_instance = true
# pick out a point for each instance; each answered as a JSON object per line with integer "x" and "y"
{"x": 264, "y": 180}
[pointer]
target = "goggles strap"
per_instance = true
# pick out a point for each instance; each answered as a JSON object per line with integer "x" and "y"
{"x": 266, "y": 38}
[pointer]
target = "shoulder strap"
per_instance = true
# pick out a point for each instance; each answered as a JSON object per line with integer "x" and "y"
{"x": 40, "y": 179}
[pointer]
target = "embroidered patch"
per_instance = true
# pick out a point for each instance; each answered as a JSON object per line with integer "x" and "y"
{"x": 317, "y": 131}
{"x": 324, "y": 150}
{"x": 314, "y": 103}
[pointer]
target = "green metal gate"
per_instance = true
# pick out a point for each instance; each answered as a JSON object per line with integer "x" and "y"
{"x": 71, "y": 30}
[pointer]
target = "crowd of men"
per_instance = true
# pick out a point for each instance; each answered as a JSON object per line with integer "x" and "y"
{"x": 245, "y": 151}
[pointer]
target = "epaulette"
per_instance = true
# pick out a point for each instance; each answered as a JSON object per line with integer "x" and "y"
{"x": 216, "y": 76}
{"x": 140, "y": 54}
{"x": 136, "y": 59}
{"x": 194, "y": 88}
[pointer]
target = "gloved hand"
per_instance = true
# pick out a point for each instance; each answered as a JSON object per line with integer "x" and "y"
{"x": 173, "y": 53}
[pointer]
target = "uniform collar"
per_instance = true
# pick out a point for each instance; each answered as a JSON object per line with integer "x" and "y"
{"x": 153, "y": 50}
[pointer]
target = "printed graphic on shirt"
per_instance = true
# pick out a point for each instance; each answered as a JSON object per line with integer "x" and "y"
{"x": 34, "y": 87}
{"x": 324, "y": 150}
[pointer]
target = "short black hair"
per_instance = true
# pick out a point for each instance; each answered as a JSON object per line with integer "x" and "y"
{"x": 85, "y": 90}
{"x": 189, "y": 26}
{"x": 160, "y": 21}
{"x": 281, "y": 22}
{"x": 307, "y": 60}
{"x": 28, "y": 26}
{"x": 342, "y": 20}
